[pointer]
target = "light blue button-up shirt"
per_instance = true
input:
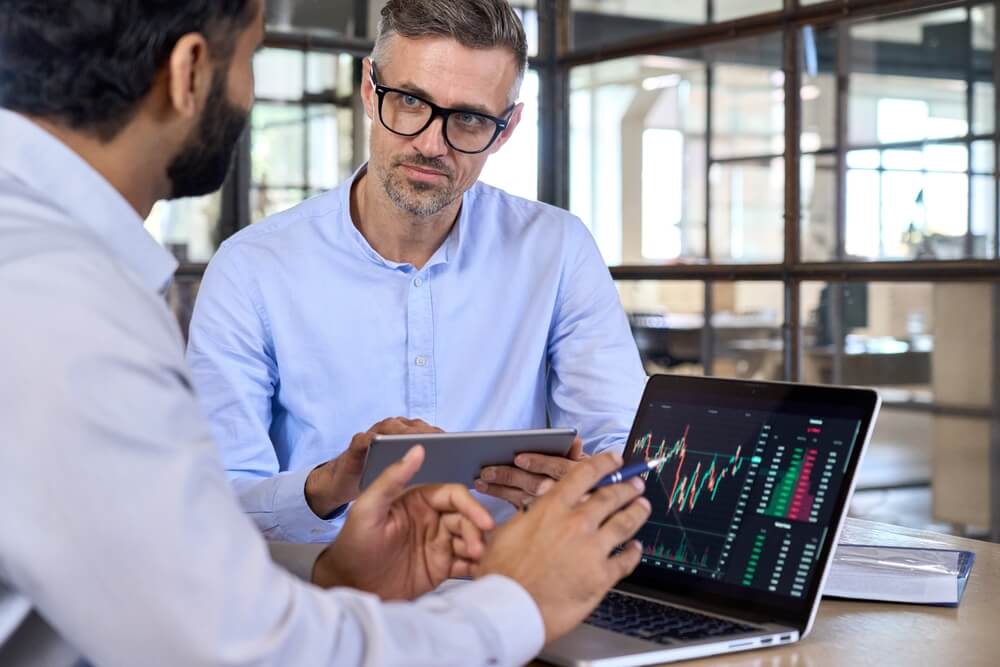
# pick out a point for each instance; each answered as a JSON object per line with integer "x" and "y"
{"x": 120, "y": 538}
{"x": 303, "y": 335}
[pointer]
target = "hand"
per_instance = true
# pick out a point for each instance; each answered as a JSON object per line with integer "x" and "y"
{"x": 400, "y": 545}
{"x": 559, "y": 551}
{"x": 531, "y": 476}
{"x": 338, "y": 481}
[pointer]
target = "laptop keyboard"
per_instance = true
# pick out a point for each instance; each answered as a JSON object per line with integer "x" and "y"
{"x": 658, "y": 622}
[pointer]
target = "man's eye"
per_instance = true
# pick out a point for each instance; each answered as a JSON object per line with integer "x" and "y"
{"x": 410, "y": 100}
{"x": 470, "y": 120}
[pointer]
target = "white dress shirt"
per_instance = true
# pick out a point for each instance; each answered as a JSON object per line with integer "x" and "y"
{"x": 122, "y": 542}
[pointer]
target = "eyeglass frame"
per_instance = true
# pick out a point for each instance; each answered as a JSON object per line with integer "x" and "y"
{"x": 437, "y": 111}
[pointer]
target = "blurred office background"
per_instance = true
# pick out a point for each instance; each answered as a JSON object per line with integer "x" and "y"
{"x": 783, "y": 189}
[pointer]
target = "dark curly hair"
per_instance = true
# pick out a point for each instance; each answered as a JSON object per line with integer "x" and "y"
{"x": 87, "y": 63}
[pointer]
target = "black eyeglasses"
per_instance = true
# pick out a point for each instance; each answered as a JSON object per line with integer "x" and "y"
{"x": 408, "y": 115}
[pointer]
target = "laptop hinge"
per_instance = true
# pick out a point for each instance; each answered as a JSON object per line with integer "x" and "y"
{"x": 702, "y": 605}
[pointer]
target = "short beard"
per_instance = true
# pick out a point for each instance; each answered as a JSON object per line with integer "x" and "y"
{"x": 202, "y": 165}
{"x": 399, "y": 190}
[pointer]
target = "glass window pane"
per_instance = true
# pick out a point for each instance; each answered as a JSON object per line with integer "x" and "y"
{"x": 514, "y": 167}
{"x": 819, "y": 89}
{"x": 268, "y": 201}
{"x": 903, "y": 159}
{"x": 915, "y": 341}
{"x": 819, "y": 207}
{"x": 983, "y": 157}
{"x": 189, "y": 228}
{"x": 746, "y": 330}
{"x": 869, "y": 159}
{"x": 983, "y": 45}
{"x": 932, "y": 157}
{"x": 278, "y": 144}
{"x": 863, "y": 197}
{"x": 528, "y": 11}
{"x": 946, "y": 157}
{"x": 906, "y": 215}
{"x": 278, "y": 74}
{"x": 325, "y": 135}
{"x": 637, "y": 156}
{"x": 748, "y": 211}
{"x": 748, "y": 99}
{"x": 984, "y": 115}
{"x": 597, "y": 22}
{"x": 329, "y": 74}
{"x": 907, "y": 78}
{"x": 666, "y": 318}
{"x": 983, "y": 216}
{"x": 317, "y": 17}
{"x": 727, "y": 10}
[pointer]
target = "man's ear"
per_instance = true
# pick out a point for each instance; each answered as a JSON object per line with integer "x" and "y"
{"x": 515, "y": 118}
{"x": 190, "y": 75}
{"x": 367, "y": 89}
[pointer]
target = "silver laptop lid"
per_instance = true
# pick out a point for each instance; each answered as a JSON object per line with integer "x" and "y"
{"x": 750, "y": 501}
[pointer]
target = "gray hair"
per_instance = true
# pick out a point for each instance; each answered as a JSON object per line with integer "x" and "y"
{"x": 475, "y": 24}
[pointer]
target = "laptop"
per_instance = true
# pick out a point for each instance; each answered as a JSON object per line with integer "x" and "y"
{"x": 746, "y": 511}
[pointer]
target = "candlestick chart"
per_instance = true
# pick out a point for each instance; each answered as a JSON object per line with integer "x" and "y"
{"x": 695, "y": 490}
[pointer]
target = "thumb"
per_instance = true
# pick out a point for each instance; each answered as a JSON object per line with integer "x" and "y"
{"x": 576, "y": 451}
{"x": 390, "y": 484}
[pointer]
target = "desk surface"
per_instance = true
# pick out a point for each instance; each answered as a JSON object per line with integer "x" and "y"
{"x": 866, "y": 633}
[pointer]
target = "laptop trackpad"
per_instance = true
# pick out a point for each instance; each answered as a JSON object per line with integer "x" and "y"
{"x": 587, "y": 642}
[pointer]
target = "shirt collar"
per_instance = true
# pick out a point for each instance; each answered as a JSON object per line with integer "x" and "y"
{"x": 59, "y": 176}
{"x": 448, "y": 251}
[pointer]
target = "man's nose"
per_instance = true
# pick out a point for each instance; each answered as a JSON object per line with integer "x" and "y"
{"x": 430, "y": 143}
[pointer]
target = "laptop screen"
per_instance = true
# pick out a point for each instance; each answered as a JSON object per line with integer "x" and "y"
{"x": 751, "y": 487}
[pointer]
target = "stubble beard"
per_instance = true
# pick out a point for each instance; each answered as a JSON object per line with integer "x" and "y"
{"x": 417, "y": 199}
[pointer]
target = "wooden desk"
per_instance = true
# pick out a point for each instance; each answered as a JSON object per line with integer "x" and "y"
{"x": 850, "y": 634}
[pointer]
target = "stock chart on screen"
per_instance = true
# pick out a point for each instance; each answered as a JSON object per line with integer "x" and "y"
{"x": 742, "y": 496}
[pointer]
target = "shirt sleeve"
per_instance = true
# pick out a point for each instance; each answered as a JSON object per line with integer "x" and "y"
{"x": 596, "y": 378}
{"x": 122, "y": 530}
{"x": 231, "y": 356}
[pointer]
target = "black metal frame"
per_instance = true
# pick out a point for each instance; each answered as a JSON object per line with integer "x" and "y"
{"x": 792, "y": 271}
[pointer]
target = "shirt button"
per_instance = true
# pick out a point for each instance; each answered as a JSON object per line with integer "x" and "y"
{"x": 418, "y": 282}
{"x": 421, "y": 361}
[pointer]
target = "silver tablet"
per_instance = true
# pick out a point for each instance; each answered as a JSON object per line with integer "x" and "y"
{"x": 458, "y": 457}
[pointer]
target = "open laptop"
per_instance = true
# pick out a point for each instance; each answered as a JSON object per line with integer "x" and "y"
{"x": 747, "y": 510}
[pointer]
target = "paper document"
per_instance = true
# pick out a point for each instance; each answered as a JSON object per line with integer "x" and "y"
{"x": 899, "y": 574}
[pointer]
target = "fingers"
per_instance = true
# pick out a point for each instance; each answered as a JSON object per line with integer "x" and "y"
{"x": 466, "y": 540}
{"x": 356, "y": 453}
{"x": 576, "y": 451}
{"x": 584, "y": 475}
{"x": 455, "y": 498}
{"x": 624, "y": 563}
{"x": 461, "y": 569}
{"x": 531, "y": 483}
{"x": 623, "y": 525}
{"x": 403, "y": 426}
{"x": 515, "y": 497}
{"x": 609, "y": 499}
{"x": 554, "y": 467}
{"x": 387, "y": 486}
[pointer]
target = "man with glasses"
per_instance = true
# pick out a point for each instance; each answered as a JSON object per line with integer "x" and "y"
{"x": 413, "y": 290}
